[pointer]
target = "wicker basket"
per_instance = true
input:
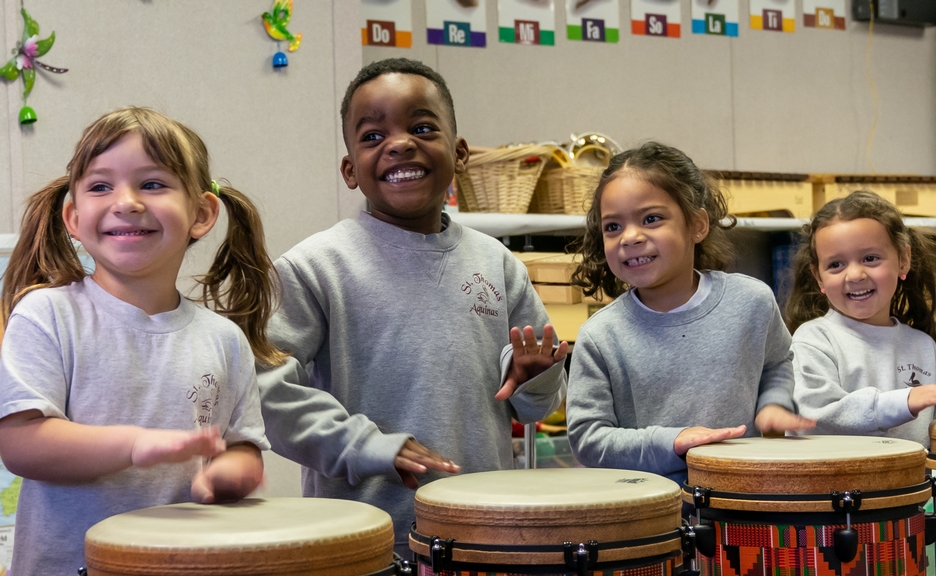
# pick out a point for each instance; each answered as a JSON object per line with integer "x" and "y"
{"x": 548, "y": 199}
{"x": 575, "y": 185}
{"x": 501, "y": 179}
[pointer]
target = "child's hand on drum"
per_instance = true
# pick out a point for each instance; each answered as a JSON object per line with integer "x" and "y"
{"x": 699, "y": 435}
{"x": 231, "y": 476}
{"x": 774, "y": 418}
{"x": 152, "y": 447}
{"x": 414, "y": 458}
{"x": 530, "y": 358}
{"x": 921, "y": 397}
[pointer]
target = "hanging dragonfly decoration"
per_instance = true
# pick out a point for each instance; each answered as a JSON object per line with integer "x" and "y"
{"x": 24, "y": 62}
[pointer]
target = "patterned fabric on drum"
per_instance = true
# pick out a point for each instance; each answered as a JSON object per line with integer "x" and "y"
{"x": 889, "y": 548}
{"x": 666, "y": 568}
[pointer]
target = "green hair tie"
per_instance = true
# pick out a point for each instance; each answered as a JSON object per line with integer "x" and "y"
{"x": 215, "y": 189}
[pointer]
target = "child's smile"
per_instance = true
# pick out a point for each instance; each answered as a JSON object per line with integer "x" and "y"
{"x": 402, "y": 150}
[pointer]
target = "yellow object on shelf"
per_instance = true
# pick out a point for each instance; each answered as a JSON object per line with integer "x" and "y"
{"x": 755, "y": 192}
{"x": 912, "y": 195}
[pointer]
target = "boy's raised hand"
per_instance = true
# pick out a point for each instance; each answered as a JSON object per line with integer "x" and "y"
{"x": 414, "y": 458}
{"x": 774, "y": 418}
{"x": 699, "y": 435}
{"x": 152, "y": 447}
{"x": 530, "y": 358}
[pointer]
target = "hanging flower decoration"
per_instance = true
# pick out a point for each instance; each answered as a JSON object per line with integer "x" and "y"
{"x": 275, "y": 23}
{"x": 24, "y": 62}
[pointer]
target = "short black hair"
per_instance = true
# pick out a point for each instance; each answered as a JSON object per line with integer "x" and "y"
{"x": 396, "y": 66}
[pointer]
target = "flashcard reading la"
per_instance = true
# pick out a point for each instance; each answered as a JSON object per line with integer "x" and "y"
{"x": 715, "y": 17}
{"x": 455, "y": 22}
{"x": 655, "y": 18}
{"x": 829, "y": 14}
{"x": 526, "y": 22}
{"x": 387, "y": 23}
{"x": 776, "y": 15}
{"x": 593, "y": 20}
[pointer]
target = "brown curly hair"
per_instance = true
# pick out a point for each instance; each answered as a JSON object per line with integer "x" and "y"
{"x": 673, "y": 172}
{"x": 241, "y": 284}
{"x": 912, "y": 303}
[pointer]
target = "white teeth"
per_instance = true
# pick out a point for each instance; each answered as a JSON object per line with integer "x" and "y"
{"x": 860, "y": 295}
{"x": 134, "y": 233}
{"x": 638, "y": 261}
{"x": 404, "y": 175}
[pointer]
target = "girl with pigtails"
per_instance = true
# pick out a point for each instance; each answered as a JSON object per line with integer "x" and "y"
{"x": 862, "y": 311}
{"x": 116, "y": 392}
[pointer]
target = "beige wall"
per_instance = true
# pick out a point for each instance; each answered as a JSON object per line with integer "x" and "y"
{"x": 764, "y": 101}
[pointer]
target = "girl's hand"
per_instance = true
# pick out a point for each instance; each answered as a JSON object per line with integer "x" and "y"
{"x": 229, "y": 477}
{"x": 777, "y": 418}
{"x": 530, "y": 358}
{"x": 152, "y": 447}
{"x": 698, "y": 435}
{"x": 920, "y": 398}
{"x": 414, "y": 458}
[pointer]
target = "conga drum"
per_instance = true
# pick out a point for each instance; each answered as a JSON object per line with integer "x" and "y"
{"x": 549, "y": 521}
{"x": 256, "y": 537}
{"x": 809, "y": 506}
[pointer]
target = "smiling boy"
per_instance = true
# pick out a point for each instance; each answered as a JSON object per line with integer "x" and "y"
{"x": 381, "y": 312}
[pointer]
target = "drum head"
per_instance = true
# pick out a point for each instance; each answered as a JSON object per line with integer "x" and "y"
{"x": 807, "y": 464}
{"x": 548, "y": 506}
{"x": 279, "y": 536}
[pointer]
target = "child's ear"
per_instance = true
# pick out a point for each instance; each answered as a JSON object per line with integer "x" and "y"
{"x": 905, "y": 261}
{"x": 815, "y": 274}
{"x": 70, "y": 216}
{"x": 461, "y": 155}
{"x": 347, "y": 172}
{"x": 206, "y": 215}
{"x": 700, "y": 226}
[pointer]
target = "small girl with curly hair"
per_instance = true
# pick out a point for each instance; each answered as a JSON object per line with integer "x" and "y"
{"x": 862, "y": 311}
{"x": 687, "y": 354}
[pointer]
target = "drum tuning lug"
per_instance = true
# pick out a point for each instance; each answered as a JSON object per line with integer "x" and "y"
{"x": 845, "y": 543}
{"x": 705, "y": 539}
{"x": 688, "y": 538}
{"x": 82, "y": 571}
{"x": 580, "y": 557}
{"x": 701, "y": 497}
{"x": 848, "y": 502}
{"x": 440, "y": 553}
{"x": 404, "y": 568}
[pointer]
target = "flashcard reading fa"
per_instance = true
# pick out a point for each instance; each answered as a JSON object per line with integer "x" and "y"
{"x": 593, "y": 20}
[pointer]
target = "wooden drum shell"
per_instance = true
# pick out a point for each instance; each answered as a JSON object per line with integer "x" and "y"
{"x": 280, "y": 536}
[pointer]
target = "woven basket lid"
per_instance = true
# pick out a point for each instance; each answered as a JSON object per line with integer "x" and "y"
{"x": 546, "y": 506}
{"x": 806, "y": 464}
{"x": 281, "y": 536}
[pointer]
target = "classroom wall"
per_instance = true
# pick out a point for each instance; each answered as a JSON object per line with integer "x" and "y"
{"x": 764, "y": 101}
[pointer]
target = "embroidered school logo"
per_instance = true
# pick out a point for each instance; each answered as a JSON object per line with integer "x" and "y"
{"x": 484, "y": 295}
{"x": 205, "y": 397}
{"x": 916, "y": 373}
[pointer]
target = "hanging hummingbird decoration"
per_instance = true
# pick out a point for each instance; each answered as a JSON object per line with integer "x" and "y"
{"x": 275, "y": 23}
{"x": 24, "y": 62}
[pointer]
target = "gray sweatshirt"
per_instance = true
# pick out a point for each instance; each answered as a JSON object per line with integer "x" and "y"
{"x": 639, "y": 377}
{"x": 394, "y": 333}
{"x": 854, "y": 378}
